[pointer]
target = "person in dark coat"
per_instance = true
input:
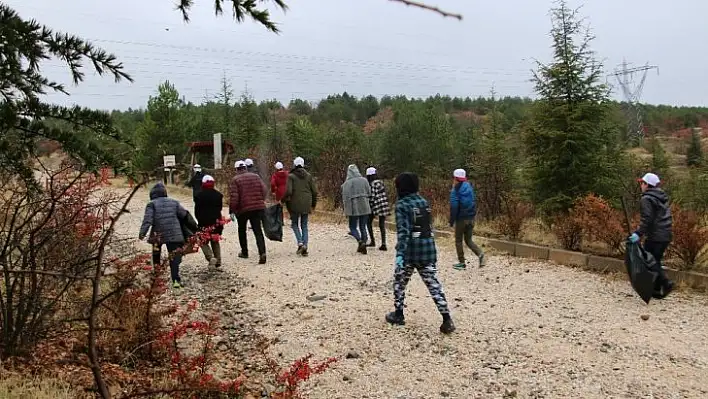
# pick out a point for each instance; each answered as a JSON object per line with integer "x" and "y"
{"x": 415, "y": 251}
{"x": 164, "y": 217}
{"x": 300, "y": 199}
{"x": 656, "y": 228}
{"x": 207, "y": 210}
{"x": 247, "y": 194}
{"x": 196, "y": 181}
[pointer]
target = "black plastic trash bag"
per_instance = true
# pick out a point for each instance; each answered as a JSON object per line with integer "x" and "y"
{"x": 273, "y": 222}
{"x": 641, "y": 268}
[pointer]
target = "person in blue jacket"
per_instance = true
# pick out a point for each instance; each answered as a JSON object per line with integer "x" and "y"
{"x": 463, "y": 210}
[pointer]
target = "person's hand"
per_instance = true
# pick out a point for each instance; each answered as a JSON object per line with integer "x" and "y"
{"x": 634, "y": 238}
{"x": 399, "y": 261}
{"x": 233, "y": 217}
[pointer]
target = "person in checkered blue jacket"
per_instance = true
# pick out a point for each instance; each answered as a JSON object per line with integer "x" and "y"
{"x": 379, "y": 207}
{"x": 415, "y": 250}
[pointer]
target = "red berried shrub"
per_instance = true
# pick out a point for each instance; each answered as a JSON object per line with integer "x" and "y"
{"x": 601, "y": 222}
{"x": 690, "y": 237}
{"x": 515, "y": 213}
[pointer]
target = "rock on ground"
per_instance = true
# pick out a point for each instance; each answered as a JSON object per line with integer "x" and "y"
{"x": 525, "y": 329}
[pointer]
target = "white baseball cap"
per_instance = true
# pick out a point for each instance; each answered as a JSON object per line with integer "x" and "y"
{"x": 207, "y": 178}
{"x": 299, "y": 161}
{"x": 279, "y": 165}
{"x": 370, "y": 171}
{"x": 239, "y": 164}
{"x": 650, "y": 179}
{"x": 197, "y": 166}
{"x": 459, "y": 174}
{"x": 248, "y": 162}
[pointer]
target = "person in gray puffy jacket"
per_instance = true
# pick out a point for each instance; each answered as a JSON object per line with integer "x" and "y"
{"x": 355, "y": 200}
{"x": 162, "y": 218}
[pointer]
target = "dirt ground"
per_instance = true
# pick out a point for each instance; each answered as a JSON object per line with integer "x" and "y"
{"x": 524, "y": 329}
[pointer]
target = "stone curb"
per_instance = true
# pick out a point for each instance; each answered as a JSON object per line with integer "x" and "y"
{"x": 569, "y": 258}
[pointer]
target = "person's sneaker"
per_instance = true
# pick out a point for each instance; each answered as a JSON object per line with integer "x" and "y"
{"x": 213, "y": 262}
{"x": 393, "y": 318}
{"x": 177, "y": 284}
{"x": 482, "y": 261}
{"x": 371, "y": 244}
{"x": 361, "y": 248}
{"x": 262, "y": 260}
{"x": 447, "y": 326}
{"x": 383, "y": 248}
{"x": 304, "y": 251}
{"x": 243, "y": 255}
{"x": 667, "y": 289}
{"x": 299, "y": 249}
{"x": 460, "y": 266}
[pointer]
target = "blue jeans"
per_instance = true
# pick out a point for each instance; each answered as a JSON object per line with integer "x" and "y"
{"x": 299, "y": 225}
{"x": 359, "y": 222}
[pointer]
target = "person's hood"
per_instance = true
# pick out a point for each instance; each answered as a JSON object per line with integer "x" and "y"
{"x": 407, "y": 183}
{"x": 353, "y": 172}
{"x": 300, "y": 172}
{"x": 158, "y": 190}
{"x": 657, "y": 193}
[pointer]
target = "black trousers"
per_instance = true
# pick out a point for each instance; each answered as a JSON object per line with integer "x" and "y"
{"x": 657, "y": 249}
{"x": 382, "y": 228}
{"x": 256, "y": 220}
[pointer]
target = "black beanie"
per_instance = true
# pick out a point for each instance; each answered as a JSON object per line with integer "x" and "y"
{"x": 406, "y": 183}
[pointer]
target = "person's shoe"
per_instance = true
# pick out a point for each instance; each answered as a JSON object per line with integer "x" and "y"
{"x": 177, "y": 284}
{"x": 667, "y": 289}
{"x": 447, "y": 326}
{"x": 362, "y": 248}
{"x": 243, "y": 255}
{"x": 371, "y": 244}
{"x": 383, "y": 248}
{"x": 262, "y": 260}
{"x": 299, "y": 249}
{"x": 396, "y": 319}
{"x": 482, "y": 261}
{"x": 213, "y": 262}
{"x": 304, "y": 251}
{"x": 460, "y": 266}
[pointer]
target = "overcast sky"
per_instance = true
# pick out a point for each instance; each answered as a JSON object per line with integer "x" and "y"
{"x": 371, "y": 47}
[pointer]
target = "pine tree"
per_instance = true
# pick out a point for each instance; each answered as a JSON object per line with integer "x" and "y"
{"x": 25, "y": 118}
{"x": 694, "y": 154}
{"x": 659, "y": 158}
{"x": 571, "y": 143}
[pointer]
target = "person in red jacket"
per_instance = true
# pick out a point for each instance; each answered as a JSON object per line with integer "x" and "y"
{"x": 247, "y": 194}
{"x": 279, "y": 182}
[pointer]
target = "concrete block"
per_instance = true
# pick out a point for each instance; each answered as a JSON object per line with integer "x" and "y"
{"x": 691, "y": 279}
{"x": 532, "y": 251}
{"x": 602, "y": 263}
{"x": 501, "y": 245}
{"x": 568, "y": 257}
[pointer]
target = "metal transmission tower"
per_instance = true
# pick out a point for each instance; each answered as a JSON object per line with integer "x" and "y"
{"x": 632, "y": 91}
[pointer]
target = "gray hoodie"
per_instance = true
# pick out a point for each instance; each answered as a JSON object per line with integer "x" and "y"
{"x": 355, "y": 193}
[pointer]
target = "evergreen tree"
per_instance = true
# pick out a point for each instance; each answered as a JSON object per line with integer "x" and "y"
{"x": 694, "y": 154}
{"x": 572, "y": 148}
{"x": 249, "y": 124}
{"x": 659, "y": 159}
{"x": 25, "y": 118}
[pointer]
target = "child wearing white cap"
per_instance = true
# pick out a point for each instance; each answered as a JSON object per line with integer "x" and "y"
{"x": 656, "y": 228}
{"x": 463, "y": 211}
{"x": 380, "y": 207}
{"x": 278, "y": 182}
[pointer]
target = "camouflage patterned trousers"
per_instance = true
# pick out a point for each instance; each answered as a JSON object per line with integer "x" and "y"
{"x": 428, "y": 273}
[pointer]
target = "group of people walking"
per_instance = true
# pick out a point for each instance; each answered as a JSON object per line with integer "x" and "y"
{"x": 364, "y": 199}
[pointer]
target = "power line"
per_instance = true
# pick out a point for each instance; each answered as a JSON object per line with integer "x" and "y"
{"x": 632, "y": 93}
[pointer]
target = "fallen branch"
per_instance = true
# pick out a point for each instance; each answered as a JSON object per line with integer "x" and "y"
{"x": 430, "y": 8}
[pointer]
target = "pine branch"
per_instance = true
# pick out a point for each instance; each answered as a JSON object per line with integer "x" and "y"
{"x": 430, "y": 8}
{"x": 240, "y": 9}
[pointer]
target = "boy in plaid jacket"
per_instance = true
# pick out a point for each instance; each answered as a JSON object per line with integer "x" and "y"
{"x": 379, "y": 207}
{"x": 415, "y": 250}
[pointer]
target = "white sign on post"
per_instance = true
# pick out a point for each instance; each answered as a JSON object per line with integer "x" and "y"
{"x": 169, "y": 161}
{"x": 217, "y": 151}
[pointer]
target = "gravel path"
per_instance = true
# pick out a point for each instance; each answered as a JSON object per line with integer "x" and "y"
{"x": 525, "y": 329}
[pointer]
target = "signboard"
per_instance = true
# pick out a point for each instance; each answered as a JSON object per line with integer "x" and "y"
{"x": 168, "y": 161}
{"x": 217, "y": 151}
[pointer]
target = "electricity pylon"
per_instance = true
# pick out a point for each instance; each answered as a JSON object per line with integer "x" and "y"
{"x": 632, "y": 91}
